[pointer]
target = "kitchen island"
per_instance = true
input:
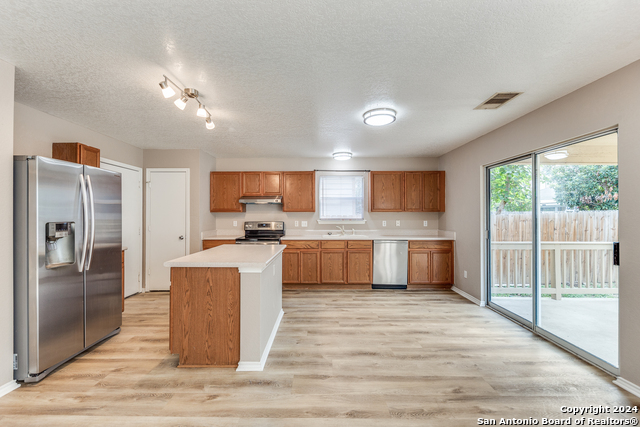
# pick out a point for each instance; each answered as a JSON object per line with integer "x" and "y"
{"x": 226, "y": 306}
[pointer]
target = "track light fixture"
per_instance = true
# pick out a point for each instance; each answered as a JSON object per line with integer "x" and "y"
{"x": 185, "y": 95}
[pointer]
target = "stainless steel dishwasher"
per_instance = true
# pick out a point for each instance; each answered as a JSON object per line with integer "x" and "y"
{"x": 390, "y": 264}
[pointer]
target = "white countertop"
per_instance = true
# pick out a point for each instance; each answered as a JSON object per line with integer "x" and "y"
{"x": 371, "y": 236}
{"x": 246, "y": 258}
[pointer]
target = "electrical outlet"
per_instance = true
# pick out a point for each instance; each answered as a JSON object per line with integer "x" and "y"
{"x": 397, "y": 223}
{"x": 465, "y": 274}
{"x": 424, "y": 223}
{"x": 304, "y": 223}
{"x": 235, "y": 223}
{"x": 384, "y": 223}
{"x": 296, "y": 223}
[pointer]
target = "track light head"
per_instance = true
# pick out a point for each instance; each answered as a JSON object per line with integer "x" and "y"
{"x": 167, "y": 90}
{"x": 201, "y": 111}
{"x": 209, "y": 123}
{"x": 181, "y": 102}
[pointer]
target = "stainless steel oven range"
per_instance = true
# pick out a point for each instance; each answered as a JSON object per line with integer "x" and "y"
{"x": 262, "y": 233}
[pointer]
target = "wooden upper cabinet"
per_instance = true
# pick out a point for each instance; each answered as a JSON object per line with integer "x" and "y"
{"x": 299, "y": 193}
{"x": 413, "y": 191}
{"x": 433, "y": 193}
{"x": 252, "y": 183}
{"x": 226, "y": 190}
{"x": 261, "y": 183}
{"x": 386, "y": 192}
{"x": 272, "y": 183}
{"x": 77, "y": 153}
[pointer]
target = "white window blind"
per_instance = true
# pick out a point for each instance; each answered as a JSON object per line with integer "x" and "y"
{"x": 341, "y": 197}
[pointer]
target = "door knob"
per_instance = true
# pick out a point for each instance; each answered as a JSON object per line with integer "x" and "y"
{"x": 181, "y": 237}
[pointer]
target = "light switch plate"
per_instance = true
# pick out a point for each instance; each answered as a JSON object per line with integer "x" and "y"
{"x": 235, "y": 223}
{"x": 384, "y": 223}
{"x": 397, "y": 223}
{"x": 304, "y": 223}
{"x": 465, "y": 274}
{"x": 424, "y": 223}
{"x": 296, "y": 223}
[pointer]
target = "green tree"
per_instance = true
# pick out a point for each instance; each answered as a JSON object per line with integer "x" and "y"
{"x": 511, "y": 188}
{"x": 587, "y": 187}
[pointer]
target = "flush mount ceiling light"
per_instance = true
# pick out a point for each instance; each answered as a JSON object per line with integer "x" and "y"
{"x": 379, "y": 116}
{"x": 557, "y": 155}
{"x": 342, "y": 155}
{"x": 185, "y": 95}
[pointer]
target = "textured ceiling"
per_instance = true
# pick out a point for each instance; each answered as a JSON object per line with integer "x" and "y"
{"x": 293, "y": 77}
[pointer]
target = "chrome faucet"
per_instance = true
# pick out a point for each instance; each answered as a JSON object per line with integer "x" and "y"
{"x": 341, "y": 228}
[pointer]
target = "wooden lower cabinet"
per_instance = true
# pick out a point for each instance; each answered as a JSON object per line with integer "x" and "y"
{"x": 310, "y": 267}
{"x": 431, "y": 263}
{"x": 442, "y": 267}
{"x": 290, "y": 266}
{"x": 333, "y": 267}
{"x": 359, "y": 266}
{"x": 208, "y": 244}
{"x": 419, "y": 267}
{"x": 336, "y": 263}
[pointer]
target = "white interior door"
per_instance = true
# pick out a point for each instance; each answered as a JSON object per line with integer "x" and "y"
{"x": 131, "y": 223}
{"x": 167, "y": 215}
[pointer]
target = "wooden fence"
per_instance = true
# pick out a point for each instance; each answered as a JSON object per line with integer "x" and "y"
{"x": 576, "y": 252}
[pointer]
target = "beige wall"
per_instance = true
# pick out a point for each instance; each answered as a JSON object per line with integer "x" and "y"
{"x": 408, "y": 220}
{"x": 207, "y": 164}
{"x": 612, "y": 100}
{"x": 35, "y": 131}
{"x": 7, "y": 75}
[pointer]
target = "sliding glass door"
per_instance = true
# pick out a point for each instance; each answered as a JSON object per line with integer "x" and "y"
{"x": 510, "y": 246}
{"x": 552, "y": 222}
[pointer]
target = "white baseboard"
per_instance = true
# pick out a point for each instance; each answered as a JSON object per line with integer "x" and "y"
{"x": 8, "y": 387}
{"x": 628, "y": 385}
{"x": 259, "y": 366}
{"x": 468, "y": 296}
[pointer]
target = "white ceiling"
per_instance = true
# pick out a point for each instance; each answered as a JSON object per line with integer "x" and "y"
{"x": 293, "y": 77}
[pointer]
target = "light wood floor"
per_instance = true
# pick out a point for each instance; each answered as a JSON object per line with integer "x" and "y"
{"x": 354, "y": 358}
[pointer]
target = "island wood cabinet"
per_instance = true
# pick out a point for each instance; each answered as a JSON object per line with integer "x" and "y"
{"x": 208, "y": 244}
{"x": 299, "y": 192}
{"x": 261, "y": 183}
{"x": 333, "y": 263}
{"x": 77, "y": 153}
{"x": 430, "y": 264}
{"x": 226, "y": 190}
{"x": 417, "y": 191}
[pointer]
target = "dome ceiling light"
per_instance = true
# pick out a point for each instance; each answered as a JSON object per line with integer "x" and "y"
{"x": 379, "y": 116}
{"x": 342, "y": 155}
{"x": 557, "y": 155}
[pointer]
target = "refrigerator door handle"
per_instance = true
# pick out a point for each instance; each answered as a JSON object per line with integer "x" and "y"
{"x": 85, "y": 209}
{"x": 93, "y": 222}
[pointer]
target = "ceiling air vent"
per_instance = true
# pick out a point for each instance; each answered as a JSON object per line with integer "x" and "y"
{"x": 497, "y": 100}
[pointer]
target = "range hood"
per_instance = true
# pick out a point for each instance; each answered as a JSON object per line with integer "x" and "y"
{"x": 262, "y": 200}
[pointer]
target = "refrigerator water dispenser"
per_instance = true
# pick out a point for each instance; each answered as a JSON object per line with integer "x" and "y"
{"x": 60, "y": 245}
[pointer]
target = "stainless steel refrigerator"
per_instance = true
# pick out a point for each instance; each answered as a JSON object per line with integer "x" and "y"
{"x": 67, "y": 262}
